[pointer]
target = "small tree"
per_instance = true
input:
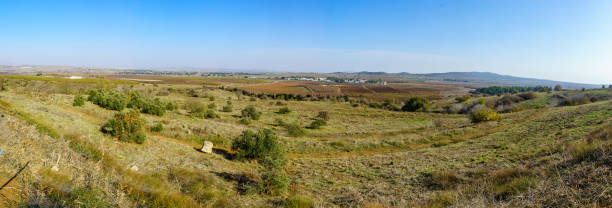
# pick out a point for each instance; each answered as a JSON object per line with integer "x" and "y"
{"x": 323, "y": 115}
{"x": 558, "y": 88}
{"x": 195, "y": 109}
{"x": 250, "y": 112}
{"x": 294, "y": 129}
{"x": 416, "y": 104}
{"x": 127, "y": 126}
{"x": 79, "y": 100}
{"x": 284, "y": 110}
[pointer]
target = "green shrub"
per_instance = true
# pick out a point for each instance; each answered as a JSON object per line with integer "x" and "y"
{"x": 415, "y": 104}
{"x": 485, "y": 114}
{"x": 79, "y": 100}
{"x": 195, "y": 109}
{"x": 110, "y": 100}
{"x": 211, "y": 98}
{"x": 246, "y": 120}
{"x": 294, "y": 129}
{"x": 513, "y": 187}
{"x": 228, "y": 107}
{"x": 274, "y": 180}
{"x": 284, "y": 110}
{"x": 210, "y": 113}
{"x": 298, "y": 201}
{"x": 127, "y": 126}
{"x": 157, "y": 128}
{"x": 443, "y": 179}
{"x": 251, "y": 112}
{"x": 317, "y": 123}
{"x": 212, "y": 106}
{"x": 146, "y": 105}
{"x": 257, "y": 145}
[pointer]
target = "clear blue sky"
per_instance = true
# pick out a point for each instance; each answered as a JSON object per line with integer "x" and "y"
{"x": 556, "y": 39}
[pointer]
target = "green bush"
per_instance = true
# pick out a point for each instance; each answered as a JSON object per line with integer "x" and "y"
{"x": 294, "y": 129}
{"x": 246, "y": 120}
{"x": 485, "y": 114}
{"x": 210, "y": 113}
{"x": 195, "y": 109}
{"x": 257, "y": 145}
{"x": 251, "y": 112}
{"x": 227, "y": 108}
{"x": 212, "y": 106}
{"x": 211, "y": 98}
{"x": 284, "y": 110}
{"x": 157, "y": 128}
{"x": 317, "y": 123}
{"x": 127, "y": 126}
{"x": 415, "y": 104}
{"x": 148, "y": 106}
{"x": 79, "y": 100}
{"x": 110, "y": 100}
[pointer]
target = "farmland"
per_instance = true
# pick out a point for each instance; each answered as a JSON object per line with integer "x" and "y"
{"x": 541, "y": 145}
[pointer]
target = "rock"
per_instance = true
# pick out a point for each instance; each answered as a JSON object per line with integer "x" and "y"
{"x": 55, "y": 168}
{"x": 207, "y": 147}
{"x": 134, "y": 168}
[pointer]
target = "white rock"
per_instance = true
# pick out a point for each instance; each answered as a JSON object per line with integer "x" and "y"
{"x": 55, "y": 168}
{"x": 134, "y": 168}
{"x": 207, "y": 147}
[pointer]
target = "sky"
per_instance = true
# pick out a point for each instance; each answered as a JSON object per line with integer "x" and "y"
{"x": 551, "y": 39}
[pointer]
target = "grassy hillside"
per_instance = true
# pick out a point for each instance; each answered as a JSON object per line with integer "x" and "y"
{"x": 540, "y": 153}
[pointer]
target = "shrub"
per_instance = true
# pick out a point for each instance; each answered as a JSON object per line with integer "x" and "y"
{"x": 210, "y": 113}
{"x": 79, "y": 100}
{"x": 484, "y": 114}
{"x": 257, "y": 145}
{"x": 110, "y": 100}
{"x": 527, "y": 95}
{"x": 212, "y": 106}
{"x": 463, "y": 98}
{"x": 284, "y": 110}
{"x": 228, "y": 107}
{"x": 415, "y": 104}
{"x": 211, "y": 98}
{"x": 298, "y": 201}
{"x": 317, "y": 123}
{"x": 443, "y": 179}
{"x": 127, "y": 126}
{"x": 294, "y": 129}
{"x": 323, "y": 115}
{"x": 146, "y": 105}
{"x": 195, "y": 108}
{"x": 251, "y": 112}
{"x": 157, "y": 128}
{"x": 245, "y": 120}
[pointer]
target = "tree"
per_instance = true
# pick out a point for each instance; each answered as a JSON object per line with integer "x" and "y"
{"x": 415, "y": 104}
{"x": 79, "y": 100}
{"x": 558, "y": 88}
{"x": 127, "y": 126}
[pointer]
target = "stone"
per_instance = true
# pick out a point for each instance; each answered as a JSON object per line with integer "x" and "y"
{"x": 55, "y": 168}
{"x": 207, "y": 147}
{"x": 134, "y": 168}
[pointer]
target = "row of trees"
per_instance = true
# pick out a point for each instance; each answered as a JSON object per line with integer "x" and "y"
{"x": 496, "y": 90}
{"x": 117, "y": 101}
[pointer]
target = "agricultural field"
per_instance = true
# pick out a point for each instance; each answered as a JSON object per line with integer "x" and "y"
{"x": 113, "y": 140}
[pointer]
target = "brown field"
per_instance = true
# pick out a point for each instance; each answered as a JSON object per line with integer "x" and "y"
{"x": 370, "y": 91}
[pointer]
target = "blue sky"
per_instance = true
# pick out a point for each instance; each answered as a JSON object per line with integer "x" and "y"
{"x": 561, "y": 39}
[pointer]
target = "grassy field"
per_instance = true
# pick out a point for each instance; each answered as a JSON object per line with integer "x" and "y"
{"x": 538, "y": 154}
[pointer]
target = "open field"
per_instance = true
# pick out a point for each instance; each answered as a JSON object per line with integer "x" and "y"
{"x": 537, "y": 154}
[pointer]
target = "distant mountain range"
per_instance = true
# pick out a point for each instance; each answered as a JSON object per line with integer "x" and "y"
{"x": 485, "y": 78}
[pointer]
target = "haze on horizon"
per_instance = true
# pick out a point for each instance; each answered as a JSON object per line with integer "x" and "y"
{"x": 558, "y": 40}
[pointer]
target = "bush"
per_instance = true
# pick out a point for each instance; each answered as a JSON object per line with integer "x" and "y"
{"x": 527, "y": 95}
{"x": 210, "y": 113}
{"x": 251, "y": 112}
{"x": 317, "y": 123}
{"x": 211, "y": 98}
{"x": 79, "y": 100}
{"x": 195, "y": 108}
{"x": 157, "y": 128}
{"x": 257, "y": 145}
{"x": 463, "y": 98}
{"x": 443, "y": 179}
{"x": 415, "y": 104}
{"x": 284, "y": 110}
{"x": 127, "y": 126}
{"x": 294, "y": 129}
{"x": 146, "y": 105}
{"x": 229, "y": 107}
{"x": 484, "y": 114}
{"x": 323, "y": 115}
{"x": 246, "y": 121}
{"x": 212, "y": 106}
{"x": 110, "y": 100}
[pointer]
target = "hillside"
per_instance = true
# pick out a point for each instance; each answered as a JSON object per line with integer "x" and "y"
{"x": 542, "y": 146}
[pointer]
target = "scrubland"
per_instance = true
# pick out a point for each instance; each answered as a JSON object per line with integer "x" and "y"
{"x": 550, "y": 150}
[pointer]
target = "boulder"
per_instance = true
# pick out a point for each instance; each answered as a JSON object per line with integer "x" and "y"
{"x": 207, "y": 147}
{"x": 134, "y": 168}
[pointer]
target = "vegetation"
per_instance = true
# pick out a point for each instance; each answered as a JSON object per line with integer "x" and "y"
{"x": 415, "y": 104}
{"x": 284, "y": 110}
{"x": 108, "y": 99}
{"x": 495, "y": 90}
{"x": 228, "y": 107}
{"x": 127, "y": 126}
{"x": 79, "y": 100}
{"x": 317, "y": 123}
{"x": 250, "y": 112}
{"x": 485, "y": 114}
